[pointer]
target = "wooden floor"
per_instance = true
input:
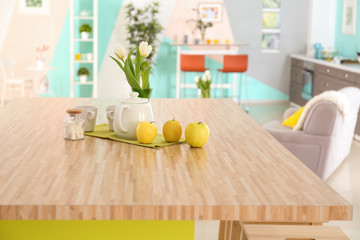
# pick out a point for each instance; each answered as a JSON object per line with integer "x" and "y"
{"x": 345, "y": 180}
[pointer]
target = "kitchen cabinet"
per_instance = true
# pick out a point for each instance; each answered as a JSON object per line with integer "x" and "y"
{"x": 296, "y": 82}
{"x": 324, "y": 83}
{"x": 325, "y": 78}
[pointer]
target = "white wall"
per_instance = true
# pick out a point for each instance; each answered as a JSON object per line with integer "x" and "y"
{"x": 246, "y": 23}
{"x": 323, "y": 18}
{"x": 6, "y": 11}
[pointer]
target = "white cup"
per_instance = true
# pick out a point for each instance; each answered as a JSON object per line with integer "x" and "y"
{"x": 110, "y": 116}
{"x": 89, "y": 56}
{"x": 88, "y": 114}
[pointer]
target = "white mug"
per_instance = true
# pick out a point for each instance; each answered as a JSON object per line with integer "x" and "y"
{"x": 88, "y": 114}
{"x": 89, "y": 56}
{"x": 110, "y": 116}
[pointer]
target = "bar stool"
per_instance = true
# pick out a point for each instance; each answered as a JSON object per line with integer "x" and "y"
{"x": 233, "y": 64}
{"x": 191, "y": 63}
{"x": 291, "y": 232}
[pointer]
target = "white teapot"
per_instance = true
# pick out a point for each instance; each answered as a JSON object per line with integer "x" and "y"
{"x": 128, "y": 113}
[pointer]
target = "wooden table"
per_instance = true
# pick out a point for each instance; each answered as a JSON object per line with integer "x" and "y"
{"x": 241, "y": 174}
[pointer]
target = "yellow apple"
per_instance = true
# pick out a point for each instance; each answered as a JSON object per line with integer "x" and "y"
{"x": 146, "y": 132}
{"x": 197, "y": 134}
{"x": 172, "y": 131}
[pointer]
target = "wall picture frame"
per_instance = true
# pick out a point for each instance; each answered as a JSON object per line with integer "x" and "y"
{"x": 210, "y": 12}
{"x": 349, "y": 17}
{"x": 34, "y": 7}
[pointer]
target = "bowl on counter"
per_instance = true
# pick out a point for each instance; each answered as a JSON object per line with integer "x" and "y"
{"x": 329, "y": 54}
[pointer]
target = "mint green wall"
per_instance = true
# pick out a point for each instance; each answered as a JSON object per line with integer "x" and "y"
{"x": 347, "y": 45}
{"x": 163, "y": 78}
{"x": 60, "y": 79}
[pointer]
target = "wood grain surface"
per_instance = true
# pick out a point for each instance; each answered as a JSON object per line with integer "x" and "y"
{"x": 242, "y": 173}
{"x": 282, "y": 232}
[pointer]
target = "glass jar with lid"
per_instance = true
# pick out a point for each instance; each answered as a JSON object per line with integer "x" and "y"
{"x": 73, "y": 125}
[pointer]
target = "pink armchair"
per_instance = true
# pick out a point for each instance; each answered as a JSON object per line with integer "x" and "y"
{"x": 326, "y": 137}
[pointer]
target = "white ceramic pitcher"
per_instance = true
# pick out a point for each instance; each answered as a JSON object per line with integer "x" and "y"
{"x": 128, "y": 113}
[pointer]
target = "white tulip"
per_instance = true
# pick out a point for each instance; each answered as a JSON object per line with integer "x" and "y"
{"x": 207, "y": 75}
{"x": 196, "y": 79}
{"x": 204, "y": 77}
{"x": 145, "y": 49}
{"x": 120, "y": 51}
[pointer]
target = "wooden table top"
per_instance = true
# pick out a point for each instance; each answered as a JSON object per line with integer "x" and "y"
{"x": 242, "y": 173}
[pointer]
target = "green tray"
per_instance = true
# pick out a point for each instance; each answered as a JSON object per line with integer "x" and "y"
{"x": 102, "y": 131}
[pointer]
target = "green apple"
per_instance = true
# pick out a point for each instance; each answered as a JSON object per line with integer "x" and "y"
{"x": 197, "y": 134}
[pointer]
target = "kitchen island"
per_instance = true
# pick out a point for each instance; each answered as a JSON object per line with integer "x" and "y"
{"x": 241, "y": 174}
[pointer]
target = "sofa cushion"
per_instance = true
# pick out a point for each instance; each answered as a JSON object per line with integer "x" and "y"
{"x": 293, "y": 119}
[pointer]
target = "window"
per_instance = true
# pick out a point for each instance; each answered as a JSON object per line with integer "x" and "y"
{"x": 271, "y": 26}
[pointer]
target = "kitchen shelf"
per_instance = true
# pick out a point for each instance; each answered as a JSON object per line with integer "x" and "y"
{"x": 83, "y": 40}
{"x": 84, "y": 61}
{"x": 84, "y": 18}
{"x": 86, "y": 83}
{"x": 75, "y": 47}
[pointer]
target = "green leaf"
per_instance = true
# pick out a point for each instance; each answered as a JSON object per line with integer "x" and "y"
{"x": 119, "y": 63}
{"x": 144, "y": 65}
{"x": 129, "y": 62}
{"x": 145, "y": 78}
{"x": 130, "y": 77}
{"x": 138, "y": 60}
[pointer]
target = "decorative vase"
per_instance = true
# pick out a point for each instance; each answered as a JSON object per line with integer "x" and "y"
{"x": 205, "y": 93}
{"x": 85, "y": 35}
{"x": 203, "y": 41}
{"x": 83, "y": 78}
{"x": 40, "y": 63}
{"x": 143, "y": 93}
{"x": 78, "y": 56}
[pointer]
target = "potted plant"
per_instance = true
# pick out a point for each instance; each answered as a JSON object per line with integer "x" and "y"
{"x": 203, "y": 84}
{"x": 200, "y": 25}
{"x": 85, "y": 30}
{"x": 137, "y": 71}
{"x": 83, "y": 74}
{"x": 40, "y": 61}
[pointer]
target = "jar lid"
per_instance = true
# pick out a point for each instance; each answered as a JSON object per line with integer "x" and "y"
{"x": 74, "y": 111}
{"x": 135, "y": 99}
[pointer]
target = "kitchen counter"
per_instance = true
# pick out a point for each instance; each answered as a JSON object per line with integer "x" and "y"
{"x": 355, "y": 67}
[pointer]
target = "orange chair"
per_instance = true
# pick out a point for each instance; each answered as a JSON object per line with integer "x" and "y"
{"x": 191, "y": 63}
{"x": 234, "y": 64}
